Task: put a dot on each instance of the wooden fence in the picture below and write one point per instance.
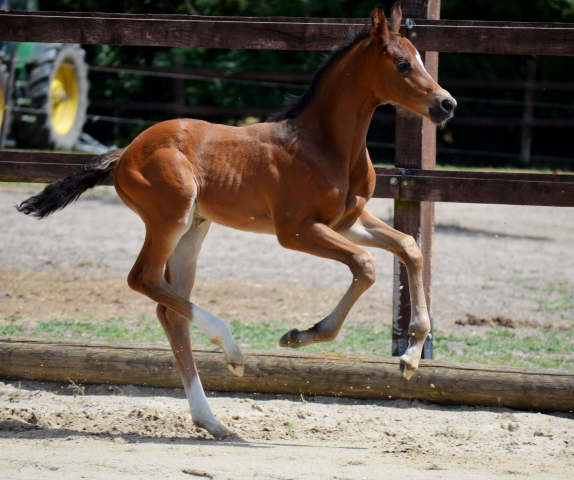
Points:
(413, 184)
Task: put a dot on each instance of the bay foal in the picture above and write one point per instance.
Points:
(304, 176)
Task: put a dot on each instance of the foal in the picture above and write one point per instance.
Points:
(304, 176)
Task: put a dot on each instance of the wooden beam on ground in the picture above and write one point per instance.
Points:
(355, 376)
(279, 33)
(415, 148)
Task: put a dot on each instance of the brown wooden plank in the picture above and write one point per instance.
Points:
(486, 187)
(170, 16)
(355, 376)
(143, 30)
(387, 185)
(494, 39)
(276, 33)
(441, 185)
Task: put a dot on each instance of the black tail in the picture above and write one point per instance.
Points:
(66, 190)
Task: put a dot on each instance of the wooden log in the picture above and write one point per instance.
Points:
(355, 376)
(281, 33)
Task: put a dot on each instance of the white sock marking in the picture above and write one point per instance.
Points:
(215, 328)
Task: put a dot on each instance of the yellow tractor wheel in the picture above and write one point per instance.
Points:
(57, 85)
(64, 98)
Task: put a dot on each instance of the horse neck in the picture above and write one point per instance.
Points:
(342, 106)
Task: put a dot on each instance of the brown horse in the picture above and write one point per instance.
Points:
(304, 176)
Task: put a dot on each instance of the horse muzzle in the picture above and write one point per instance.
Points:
(442, 109)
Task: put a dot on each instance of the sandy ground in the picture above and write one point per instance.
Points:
(489, 261)
(52, 431)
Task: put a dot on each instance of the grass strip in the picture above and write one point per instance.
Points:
(545, 348)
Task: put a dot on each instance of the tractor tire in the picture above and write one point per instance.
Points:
(4, 73)
(58, 85)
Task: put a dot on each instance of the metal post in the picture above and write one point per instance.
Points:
(528, 115)
(415, 141)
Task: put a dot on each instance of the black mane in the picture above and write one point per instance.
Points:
(294, 104)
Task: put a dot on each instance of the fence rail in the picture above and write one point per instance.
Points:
(278, 33)
(401, 184)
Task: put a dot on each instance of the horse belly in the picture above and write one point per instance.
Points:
(236, 205)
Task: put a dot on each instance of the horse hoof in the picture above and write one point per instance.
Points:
(289, 339)
(221, 433)
(236, 368)
(406, 369)
(216, 429)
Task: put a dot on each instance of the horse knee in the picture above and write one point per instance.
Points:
(162, 313)
(141, 283)
(409, 252)
(364, 269)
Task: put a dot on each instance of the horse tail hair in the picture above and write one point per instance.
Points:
(60, 194)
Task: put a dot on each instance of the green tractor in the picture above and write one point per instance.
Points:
(49, 90)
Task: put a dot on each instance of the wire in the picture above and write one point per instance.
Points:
(514, 102)
(448, 151)
(186, 76)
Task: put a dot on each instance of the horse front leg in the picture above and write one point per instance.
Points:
(320, 240)
(369, 231)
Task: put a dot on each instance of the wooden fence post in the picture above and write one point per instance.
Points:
(415, 140)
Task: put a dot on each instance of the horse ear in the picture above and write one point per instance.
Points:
(396, 16)
(379, 29)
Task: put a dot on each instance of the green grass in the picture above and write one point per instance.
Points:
(546, 348)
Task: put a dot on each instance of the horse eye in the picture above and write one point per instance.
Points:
(403, 66)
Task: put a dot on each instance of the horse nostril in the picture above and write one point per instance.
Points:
(447, 105)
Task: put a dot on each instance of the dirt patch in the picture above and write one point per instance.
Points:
(473, 320)
(320, 438)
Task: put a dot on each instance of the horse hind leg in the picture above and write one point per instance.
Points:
(180, 274)
(167, 212)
